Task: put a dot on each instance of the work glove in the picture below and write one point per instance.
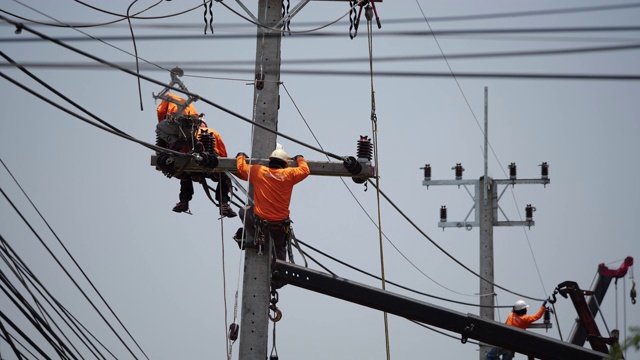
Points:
(295, 158)
(243, 154)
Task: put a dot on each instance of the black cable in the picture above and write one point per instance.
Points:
(399, 33)
(19, 343)
(57, 344)
(444, 251)
(21, 26)
(9, 341)
(66, 272)
(123, 17)
(440, 332)
(393, 283)
(306, 254)
(387, 21)
(130, 138)
(50, 88)
(205, 64)
(23, 335)
(23, 268)
(392, 74)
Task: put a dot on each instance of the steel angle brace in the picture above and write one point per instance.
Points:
(175, 73)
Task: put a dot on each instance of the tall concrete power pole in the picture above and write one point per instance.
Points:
(486, 198)
(254, 323)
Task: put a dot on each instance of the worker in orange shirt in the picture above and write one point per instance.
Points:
(272, 190)
(177, 130)
(518, 318)
(184, 133)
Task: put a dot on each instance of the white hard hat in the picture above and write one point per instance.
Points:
(519, 305)
(279, 153)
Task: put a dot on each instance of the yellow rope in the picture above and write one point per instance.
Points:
(374, 128)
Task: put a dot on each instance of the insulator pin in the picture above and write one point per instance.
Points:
(544, 170)
(427, 171)
(458, 171)
(512, 171)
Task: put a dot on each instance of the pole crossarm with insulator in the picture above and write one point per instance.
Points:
(322, 168)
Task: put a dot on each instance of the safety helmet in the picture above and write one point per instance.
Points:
(519, 305)
(279, 153)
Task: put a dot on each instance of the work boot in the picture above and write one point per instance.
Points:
(226, 210)
(182, 206)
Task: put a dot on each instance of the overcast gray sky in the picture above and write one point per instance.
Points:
(162, 272)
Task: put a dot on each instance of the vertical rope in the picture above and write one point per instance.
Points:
(224, 291)
(374, 128)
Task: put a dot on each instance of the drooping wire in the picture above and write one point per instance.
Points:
(288, 30)
(483, 133)
(67, 272)
(445, 252)
(365, 210)
(344, 263)
(42, 318)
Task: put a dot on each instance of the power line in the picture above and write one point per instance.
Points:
(202, 64)
(391, 282)
(72, 258)
(398, 33)
(513, 14)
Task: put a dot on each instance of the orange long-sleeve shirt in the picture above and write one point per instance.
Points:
(523, 321)
(167, 107)
(272, 188)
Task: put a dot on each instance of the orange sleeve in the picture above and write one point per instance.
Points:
(243, 167)
(302, 171)
(221, 149)
(161, 110)
(531, 318)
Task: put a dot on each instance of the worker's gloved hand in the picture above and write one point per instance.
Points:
(544, 303)
(243, 154)
(295, 158)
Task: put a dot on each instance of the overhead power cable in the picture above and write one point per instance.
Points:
(80, 25)
(204, 64)
(446, 252)
(399, 33)
(67, 273)
(511, 14)
(391, 282)
(73, 258)
(130, 72)
(358, 73)
(365, 210)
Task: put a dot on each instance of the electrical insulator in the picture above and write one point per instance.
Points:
(208, 142)
(544, 170)
(529, 212)
(547, 318)
(365, 148)
(233, 331)
(458, 170)
(427, 171)
(443, 213)
(512, 171)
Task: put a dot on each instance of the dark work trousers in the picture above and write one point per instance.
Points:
(222, 189)
(276, 230)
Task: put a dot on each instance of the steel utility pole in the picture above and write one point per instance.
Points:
(486, 208)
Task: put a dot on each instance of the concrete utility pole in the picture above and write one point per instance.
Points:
(254, 323)
(486, 214)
